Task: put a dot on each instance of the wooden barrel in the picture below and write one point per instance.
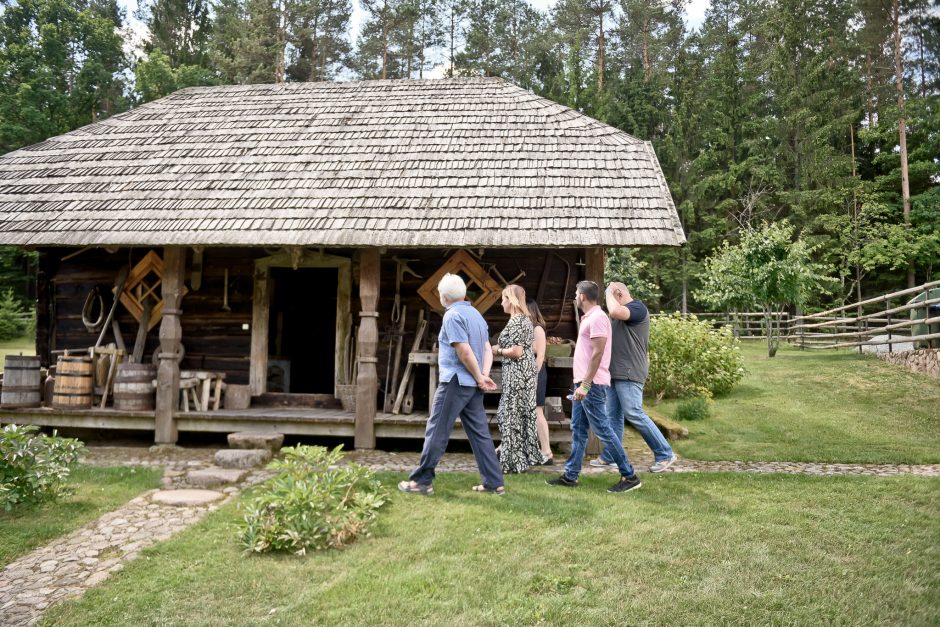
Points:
(133, 387)
(74, 383)
(21, 386)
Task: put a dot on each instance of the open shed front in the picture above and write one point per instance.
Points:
(312, 333)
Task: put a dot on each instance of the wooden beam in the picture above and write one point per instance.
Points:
(367, 381)
(171, 336)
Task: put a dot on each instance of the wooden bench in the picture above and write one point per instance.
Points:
(199, 387)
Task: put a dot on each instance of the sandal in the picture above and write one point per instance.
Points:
(500, 491)
(410, 487)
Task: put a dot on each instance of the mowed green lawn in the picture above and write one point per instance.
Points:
(23, 345)
(819, 406)
(96, 492)
(695, 549)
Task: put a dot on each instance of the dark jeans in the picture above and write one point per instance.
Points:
(452, 400)
(590, 413)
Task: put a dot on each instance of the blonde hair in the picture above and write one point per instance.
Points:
(452, 287)
(516, 296)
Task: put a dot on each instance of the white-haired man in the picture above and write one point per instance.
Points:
(464, 361)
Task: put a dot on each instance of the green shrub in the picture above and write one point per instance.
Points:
(34, 467)
(695, 408)
(690, 358)
(12, 321)
(312, 503)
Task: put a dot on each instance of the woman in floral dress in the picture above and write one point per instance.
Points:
(516, 414)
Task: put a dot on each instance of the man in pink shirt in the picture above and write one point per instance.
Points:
(592, 382)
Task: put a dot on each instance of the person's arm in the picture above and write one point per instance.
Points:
(469, 360)
(512, 353)
(539, 347)
(597, 345)
(487, 359)
(614, 309)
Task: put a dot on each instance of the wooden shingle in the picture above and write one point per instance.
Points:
(455, 162)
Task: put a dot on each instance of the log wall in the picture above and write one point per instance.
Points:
(215, 339)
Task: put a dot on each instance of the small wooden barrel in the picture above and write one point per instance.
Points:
(21, 386)
(74, 383)
(133, 387)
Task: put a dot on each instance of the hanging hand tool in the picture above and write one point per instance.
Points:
(400, 270)
(402, 388)
(118, 288)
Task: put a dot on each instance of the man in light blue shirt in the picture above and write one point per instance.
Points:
(464, 360)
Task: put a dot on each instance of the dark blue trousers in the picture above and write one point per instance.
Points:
(450, 401)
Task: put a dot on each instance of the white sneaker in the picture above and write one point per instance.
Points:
(600, 463)
(663, 465)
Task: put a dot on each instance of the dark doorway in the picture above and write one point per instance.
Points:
(302, 330)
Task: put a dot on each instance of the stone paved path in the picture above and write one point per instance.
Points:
(70, 565)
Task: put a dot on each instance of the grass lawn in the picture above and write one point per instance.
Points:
(684, 549)
(24, 345)
(97, 491)
(819, 406)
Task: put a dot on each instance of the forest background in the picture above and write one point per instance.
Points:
(768, 111)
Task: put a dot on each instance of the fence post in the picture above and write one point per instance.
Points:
(888, 314)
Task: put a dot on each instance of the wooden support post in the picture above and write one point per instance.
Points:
(367, 382)
(258, 368)
(171, 335)
(594, 268)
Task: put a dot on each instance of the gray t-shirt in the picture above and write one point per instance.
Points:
(629, 359)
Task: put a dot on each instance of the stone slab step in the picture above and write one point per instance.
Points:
(211, 477)
(242, 458)
(258, 440)
(186, 498)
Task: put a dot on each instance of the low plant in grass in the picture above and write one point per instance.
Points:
(313, 503)
(695, 408)
(690, 358)
(34, 466)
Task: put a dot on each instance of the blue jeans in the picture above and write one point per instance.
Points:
(590, 413)
(626, 402)
(450, 401)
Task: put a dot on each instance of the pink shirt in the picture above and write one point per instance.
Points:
(594, 323)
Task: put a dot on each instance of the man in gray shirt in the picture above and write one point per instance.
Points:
(629, 367)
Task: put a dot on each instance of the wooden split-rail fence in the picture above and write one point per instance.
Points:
(885, 323)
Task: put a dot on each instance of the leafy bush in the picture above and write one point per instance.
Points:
(33, 466)
(12, 317)
(690, 358)
(695, 408)
(312, 503)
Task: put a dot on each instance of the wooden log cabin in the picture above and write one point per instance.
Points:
(279, 228)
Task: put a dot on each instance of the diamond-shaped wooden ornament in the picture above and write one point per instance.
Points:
(462, 262)
(144, 282)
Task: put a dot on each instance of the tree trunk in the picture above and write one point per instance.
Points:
(902, 131)
(600, 53)
(385, 40)
(647, 66)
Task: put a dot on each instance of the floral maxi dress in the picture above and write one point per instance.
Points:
(516, 414)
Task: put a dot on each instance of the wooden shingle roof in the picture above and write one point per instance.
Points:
(455, 162)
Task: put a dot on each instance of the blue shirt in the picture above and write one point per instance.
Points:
(462, 323)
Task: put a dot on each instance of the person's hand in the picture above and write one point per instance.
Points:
(580, 393)
(485, 383)
(495, 350)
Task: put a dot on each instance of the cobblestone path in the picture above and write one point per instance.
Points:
(70, 565)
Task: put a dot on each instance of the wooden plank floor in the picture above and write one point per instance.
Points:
(287, 420)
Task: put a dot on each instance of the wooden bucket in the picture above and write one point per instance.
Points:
(133, 387)
(21, 387)
(74, 383)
